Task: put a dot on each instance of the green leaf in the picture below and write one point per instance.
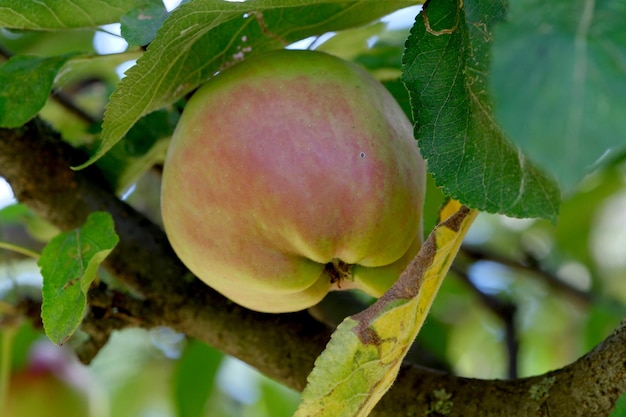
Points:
(275, 399)
(14, 214)
(620, 407)
(559, 82)
(69, 264)
(122, 169)
(139, 26)
(25, 84)
(583, 210)
(194, 378)
(22, 42)
(444, 67)
(148, 130)
(363, 357)
(62, 14)
(203, 37)
(348, 44)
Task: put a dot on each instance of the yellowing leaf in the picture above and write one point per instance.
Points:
(364, 354)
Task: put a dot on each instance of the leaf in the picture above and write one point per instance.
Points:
(559, 82)
(139, 26)
(13, 214)
(364, 354)
(348, 44)
(583, 209)
(148, 130)
(69, 264)
(275, 399)
(444, 67)
(122, 169)
(62, 14)
(620, 407)
(25, 84)
(194, 378)
(203, 37)
(22, 42)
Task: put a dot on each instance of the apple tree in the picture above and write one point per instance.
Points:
(511, 291)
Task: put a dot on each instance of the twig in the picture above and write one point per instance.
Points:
(68, 102)
(533, 266)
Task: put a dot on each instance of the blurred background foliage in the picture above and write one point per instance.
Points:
(524, 296)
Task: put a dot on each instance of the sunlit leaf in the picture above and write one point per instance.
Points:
(62, 14)
(69, 264)
(350, 43)
(365, 352)
(444, 68)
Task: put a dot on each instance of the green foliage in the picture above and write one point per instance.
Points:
(69, 264)
(62, 14)
(12, 214)
(620, 407)
(148, 130)
(29, 78)
(140, 25)
(194, 378)
(560, 86)
(444, 68)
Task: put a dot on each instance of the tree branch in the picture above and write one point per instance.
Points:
(284, 347)
(532, 266)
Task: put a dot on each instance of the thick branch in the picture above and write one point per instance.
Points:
(282, 346)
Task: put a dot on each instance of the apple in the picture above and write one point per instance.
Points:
(53, 384)
(291, 174)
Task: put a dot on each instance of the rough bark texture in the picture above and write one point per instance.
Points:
(36, 164)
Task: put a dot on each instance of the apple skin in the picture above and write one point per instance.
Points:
(284, 165)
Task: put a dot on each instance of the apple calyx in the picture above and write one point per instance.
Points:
(338, 271)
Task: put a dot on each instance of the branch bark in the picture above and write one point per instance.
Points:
(36, 163)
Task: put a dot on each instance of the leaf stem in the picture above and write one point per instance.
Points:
(19, 249)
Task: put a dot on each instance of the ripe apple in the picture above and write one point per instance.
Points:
(290, 174)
